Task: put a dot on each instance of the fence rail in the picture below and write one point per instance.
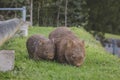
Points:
(23, 9)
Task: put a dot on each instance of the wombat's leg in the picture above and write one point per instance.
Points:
(35, 54)
(61, 58)
(35, 57)
(30, 56)
(61, 54)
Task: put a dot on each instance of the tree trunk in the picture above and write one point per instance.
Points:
(66, 3)
(38, 13)
(31, 10)
(58, 15)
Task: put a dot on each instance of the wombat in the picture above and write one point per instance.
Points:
(39, 47)
(68, 48)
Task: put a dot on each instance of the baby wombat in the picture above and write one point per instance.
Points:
(68, 48)
(40, 47)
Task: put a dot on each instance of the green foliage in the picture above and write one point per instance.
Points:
(76, 15)
(104, 15)
(45, 12)
(98, 64)
(97, 15)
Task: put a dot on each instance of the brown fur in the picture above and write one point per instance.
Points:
(40, 47)
(69, 49)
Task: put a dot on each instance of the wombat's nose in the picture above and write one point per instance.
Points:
(51, 57)
(78, 65)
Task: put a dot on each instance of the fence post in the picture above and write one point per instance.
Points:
(114, 46)
(24, 13)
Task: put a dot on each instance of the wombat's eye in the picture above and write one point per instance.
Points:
(46, 52)
(73, 56)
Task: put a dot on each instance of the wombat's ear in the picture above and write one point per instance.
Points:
(83, 42)
(69, 43)
(41, 42)
(53, 40)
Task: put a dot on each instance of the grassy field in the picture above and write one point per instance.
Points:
(112, 36)
(99, 65)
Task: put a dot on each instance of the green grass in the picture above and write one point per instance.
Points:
(107, 35)
(99, 65)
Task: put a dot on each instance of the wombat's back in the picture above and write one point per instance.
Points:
(61, 32)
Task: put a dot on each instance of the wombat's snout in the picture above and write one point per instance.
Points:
(50, 57)
(77, 65)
